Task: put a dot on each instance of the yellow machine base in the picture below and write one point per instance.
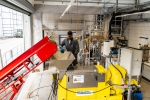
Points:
(102, 92)
(92, 93)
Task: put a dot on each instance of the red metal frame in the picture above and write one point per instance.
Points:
(43, 49)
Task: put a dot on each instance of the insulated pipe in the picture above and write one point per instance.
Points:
(130, 12)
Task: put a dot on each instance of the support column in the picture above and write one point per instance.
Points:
(37, 31)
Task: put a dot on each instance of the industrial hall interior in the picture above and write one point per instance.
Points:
(74, 49)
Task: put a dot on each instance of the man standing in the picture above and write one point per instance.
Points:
(72, 45)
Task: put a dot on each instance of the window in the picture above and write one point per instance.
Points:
(11, 21)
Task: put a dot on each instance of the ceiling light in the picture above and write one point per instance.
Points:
(69, 5)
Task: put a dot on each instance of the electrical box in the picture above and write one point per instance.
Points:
(131, 60)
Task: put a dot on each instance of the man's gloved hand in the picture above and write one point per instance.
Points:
(61, 49)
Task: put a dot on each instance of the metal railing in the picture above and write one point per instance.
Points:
(11, 55)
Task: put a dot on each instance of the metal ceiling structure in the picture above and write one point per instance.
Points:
(136, 5)
(121, 5)
(87, 2)
(19, 5)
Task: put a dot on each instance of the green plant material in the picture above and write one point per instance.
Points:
(52, 41)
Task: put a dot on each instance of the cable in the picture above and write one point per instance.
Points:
(50, 94)
(111, 75)
(76, 92)
(53, 92)
(116, 67)
(102, 89)
(37, 89)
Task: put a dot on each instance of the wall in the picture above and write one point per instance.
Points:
(58, 26)
(47, 18)
(134, 30)
(48, 14)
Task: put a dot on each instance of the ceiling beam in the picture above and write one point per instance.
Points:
(88, 1)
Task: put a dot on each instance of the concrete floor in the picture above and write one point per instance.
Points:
(145, 88)
(43, 79)
(34, 81)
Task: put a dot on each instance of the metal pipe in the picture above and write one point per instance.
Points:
(132, 7)
(144, 20)
(121, 26)
(130, 73)
(138, 2)
(119, 55)
(69, 21)
(132, 12)
(116, 5)
(135, 3)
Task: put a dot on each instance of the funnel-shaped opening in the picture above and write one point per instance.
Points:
(62, 60)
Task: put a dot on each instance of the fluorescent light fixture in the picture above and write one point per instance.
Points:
(69, 5)
(133, 14)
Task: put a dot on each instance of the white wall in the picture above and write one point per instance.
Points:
(134, 30)
(49, 22)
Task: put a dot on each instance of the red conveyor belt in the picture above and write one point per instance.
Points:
(44, 49)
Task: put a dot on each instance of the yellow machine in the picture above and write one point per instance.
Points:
(93, 84)
(89, 82)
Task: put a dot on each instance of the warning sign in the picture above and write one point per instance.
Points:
(78, 79)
